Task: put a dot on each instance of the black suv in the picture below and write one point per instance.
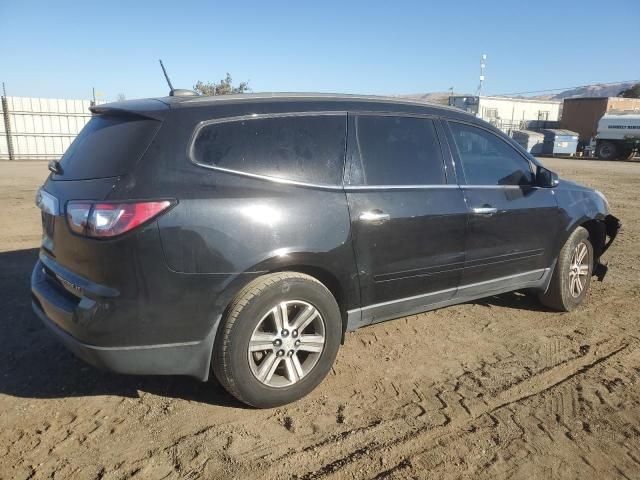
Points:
(245, 235)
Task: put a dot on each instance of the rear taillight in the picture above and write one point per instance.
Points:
(106, 219)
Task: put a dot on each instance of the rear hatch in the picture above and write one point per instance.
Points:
(105, 153)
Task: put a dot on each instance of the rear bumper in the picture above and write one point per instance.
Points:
(190, 359)
(57, 309)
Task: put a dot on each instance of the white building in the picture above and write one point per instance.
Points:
(508, 113)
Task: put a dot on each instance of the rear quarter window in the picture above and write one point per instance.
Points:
(307, 149)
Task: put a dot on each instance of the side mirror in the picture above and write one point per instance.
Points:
(546, 178)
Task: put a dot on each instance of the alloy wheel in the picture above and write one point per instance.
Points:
(286, 344)
(579, 269)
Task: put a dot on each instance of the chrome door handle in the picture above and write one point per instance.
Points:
(375, 217)
(485, 210)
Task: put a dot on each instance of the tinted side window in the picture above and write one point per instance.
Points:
(487, 160)
(301, 148)
(395, 151)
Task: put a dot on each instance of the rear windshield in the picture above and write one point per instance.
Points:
(107, 146)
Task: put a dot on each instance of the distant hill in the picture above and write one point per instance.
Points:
(596, 90)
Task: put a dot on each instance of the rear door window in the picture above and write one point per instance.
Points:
(392, 150)
(303, 148)
(107, 146)
(488, 160)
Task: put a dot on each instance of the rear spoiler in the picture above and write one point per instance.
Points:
(147, 108)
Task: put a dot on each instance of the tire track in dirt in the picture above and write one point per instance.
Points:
(399, 449)
(525, 439)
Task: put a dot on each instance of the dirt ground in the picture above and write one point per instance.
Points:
(499, 388)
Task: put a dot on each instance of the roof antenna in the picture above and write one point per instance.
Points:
(176, 92)
(164, 70)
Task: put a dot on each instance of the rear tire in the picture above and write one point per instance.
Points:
(572, 274)
(278, 341)
(607, 150)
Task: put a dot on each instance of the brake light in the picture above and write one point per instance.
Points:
(106, 219)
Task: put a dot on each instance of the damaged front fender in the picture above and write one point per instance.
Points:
(612, 227)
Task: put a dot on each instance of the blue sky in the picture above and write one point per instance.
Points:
(62, 49)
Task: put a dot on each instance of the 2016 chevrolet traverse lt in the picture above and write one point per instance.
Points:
(242, 236)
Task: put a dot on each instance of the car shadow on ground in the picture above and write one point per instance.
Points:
(33, 364)
(519, 300)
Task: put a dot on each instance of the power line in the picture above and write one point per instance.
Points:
(564, 88)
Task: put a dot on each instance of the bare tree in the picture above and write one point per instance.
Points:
(121, 97)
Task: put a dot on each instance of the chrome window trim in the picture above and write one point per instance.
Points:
(260, 116)
(507, 187)
(297, 183)
(282, 181)
(348, 188)
(321, 186)
(447, 186)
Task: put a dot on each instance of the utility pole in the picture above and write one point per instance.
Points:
(7, 123)
(483, 59)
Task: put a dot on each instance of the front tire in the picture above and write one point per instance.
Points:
(278, 341)
(572, 275)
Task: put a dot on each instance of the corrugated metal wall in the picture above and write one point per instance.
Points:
(583, 114)
(41, 128)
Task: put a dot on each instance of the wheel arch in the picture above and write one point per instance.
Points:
(582, 221)
(599, 228)
(597, 235)
(329, 280)
(342, 284)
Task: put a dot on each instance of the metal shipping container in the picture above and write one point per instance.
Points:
(560, 142)
(531, 141)
(582, 114)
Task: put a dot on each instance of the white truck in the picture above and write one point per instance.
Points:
(618, 136)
